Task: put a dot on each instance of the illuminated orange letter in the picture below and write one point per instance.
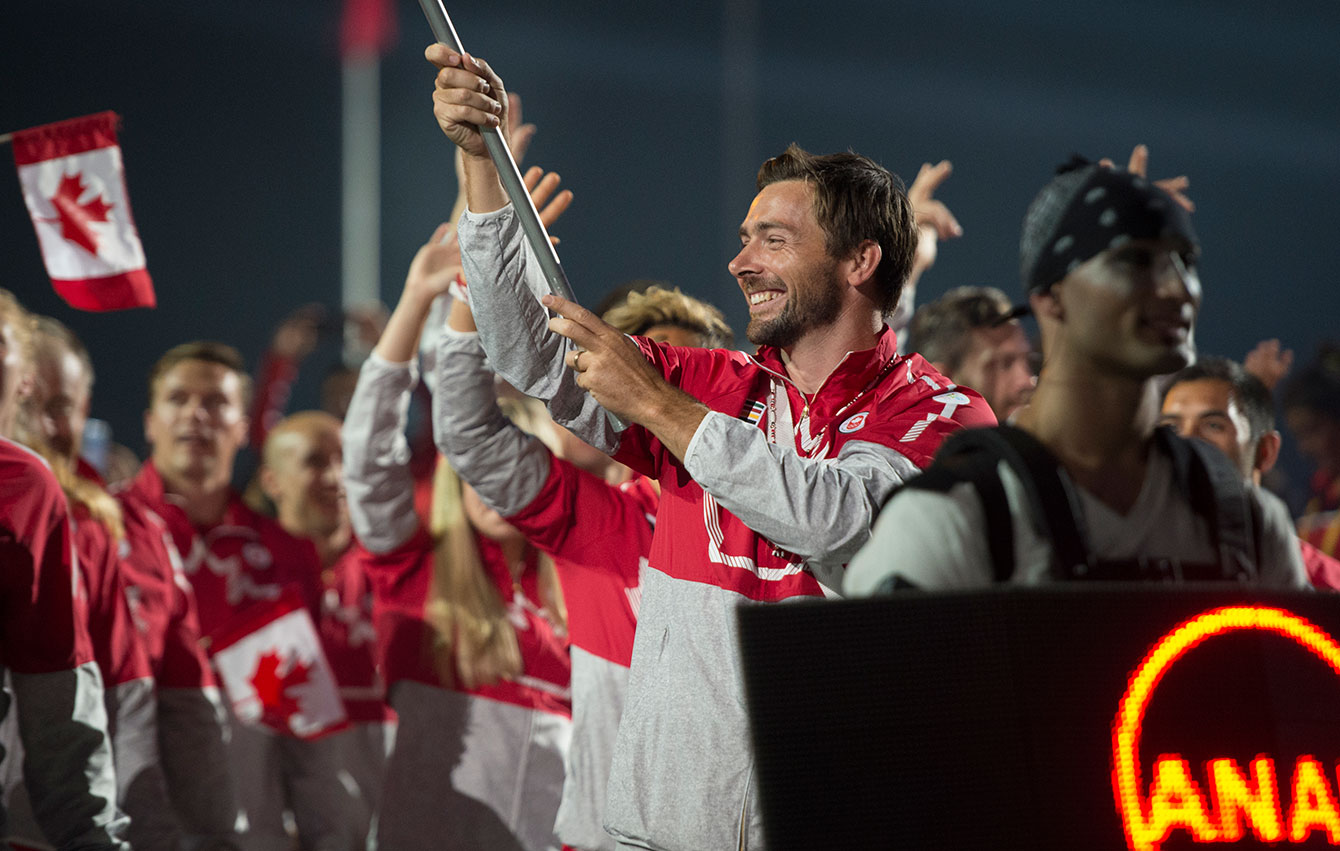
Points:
(1176, 801)
(1258, 800)
(1313, 802)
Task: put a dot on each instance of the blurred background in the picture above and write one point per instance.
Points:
(657, 117)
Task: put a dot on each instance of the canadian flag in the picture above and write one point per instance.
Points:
(275, 673)
(74, 185)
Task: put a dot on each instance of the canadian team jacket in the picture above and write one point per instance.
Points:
(477, 768)
(599, 536)
(44, 644)
(774, 495)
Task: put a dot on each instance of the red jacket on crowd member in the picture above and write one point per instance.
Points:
(190, 714)
(349, 637)
(244, 558)
(44, 644)
(473, 767)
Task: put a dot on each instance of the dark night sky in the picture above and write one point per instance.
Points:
(657, 117)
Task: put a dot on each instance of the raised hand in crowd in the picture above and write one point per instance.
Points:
(934, 220)
(1269, 362)
(1138, 163)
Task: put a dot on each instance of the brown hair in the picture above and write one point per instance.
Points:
(941, 332)
(658, 305)
(855, 199)
(208, 351)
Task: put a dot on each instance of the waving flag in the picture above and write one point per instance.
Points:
(275, 673)
(74, 185)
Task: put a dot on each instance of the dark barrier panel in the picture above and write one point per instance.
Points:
(1034, 718)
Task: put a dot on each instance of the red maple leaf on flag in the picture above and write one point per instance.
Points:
(272, 689)
(75, 217)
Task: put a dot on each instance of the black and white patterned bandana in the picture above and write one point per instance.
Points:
(1087, 210)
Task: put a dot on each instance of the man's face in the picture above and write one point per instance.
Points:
(784, 268)
(1132, 309)
(196, 424)
(60, 399)
(1205, 408)
(305, 478)
(997, 366)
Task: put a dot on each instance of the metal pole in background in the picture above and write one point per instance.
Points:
(360, 262)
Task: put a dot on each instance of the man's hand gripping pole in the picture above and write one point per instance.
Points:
(510, 177)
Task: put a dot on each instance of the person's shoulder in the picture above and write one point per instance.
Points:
(28, 487)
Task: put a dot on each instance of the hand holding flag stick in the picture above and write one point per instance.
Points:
(508, 173)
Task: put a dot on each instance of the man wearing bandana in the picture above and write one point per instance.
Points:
(1108, 260)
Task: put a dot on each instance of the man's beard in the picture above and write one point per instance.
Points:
(820, 305)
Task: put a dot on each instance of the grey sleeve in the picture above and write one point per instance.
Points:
(1281, 560)
(505, 286)
(132, 712)
(68, 758)
(819, 509)
(505, 466)
(933, 540)
(377, 480)
(195, 762)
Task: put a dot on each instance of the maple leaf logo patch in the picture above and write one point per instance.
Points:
(272, 689)
(75, 217)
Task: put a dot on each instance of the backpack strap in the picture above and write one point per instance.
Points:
(1216, 491)
(969, 460)
(974, 455)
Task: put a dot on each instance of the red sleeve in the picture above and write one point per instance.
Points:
(580, 518)
(117, 647)
(42, 625)
(273, 385)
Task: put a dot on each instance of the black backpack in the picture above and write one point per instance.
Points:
(1201, 472)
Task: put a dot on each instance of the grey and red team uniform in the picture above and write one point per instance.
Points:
(245, 559)
(478, 768)
(45, 649)
(775, 494)
(599, 536)
(191, 716)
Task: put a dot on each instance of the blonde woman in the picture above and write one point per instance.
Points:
(469, 619)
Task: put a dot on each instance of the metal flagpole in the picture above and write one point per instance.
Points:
(510, 176)
(508, 172)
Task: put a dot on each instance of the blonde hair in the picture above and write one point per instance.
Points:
(660, 306)
(475, 642)
(45, 336)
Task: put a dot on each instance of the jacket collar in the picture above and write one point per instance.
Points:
(853, 374)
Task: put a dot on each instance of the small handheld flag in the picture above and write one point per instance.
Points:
(74, 185)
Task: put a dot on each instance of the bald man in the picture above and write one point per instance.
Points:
(302, 471)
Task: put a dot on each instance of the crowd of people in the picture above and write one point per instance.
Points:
(527, 603)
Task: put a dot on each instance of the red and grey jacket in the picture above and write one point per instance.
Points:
(504, 743)
(774, 495)
(599, 536)
(44, 644)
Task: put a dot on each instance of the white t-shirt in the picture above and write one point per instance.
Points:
(938, 541)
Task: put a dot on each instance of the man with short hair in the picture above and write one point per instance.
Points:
(235, 558)
(1218, 401)
(770, 465)
(1108, 261)
(973, 335)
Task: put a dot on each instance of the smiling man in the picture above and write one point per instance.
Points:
(771, 465)
(1085, 487)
